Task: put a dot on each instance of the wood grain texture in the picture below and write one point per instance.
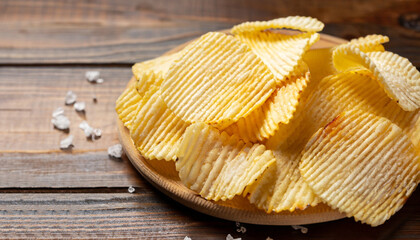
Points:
(148, 214)
(130, 31)
(29, 144)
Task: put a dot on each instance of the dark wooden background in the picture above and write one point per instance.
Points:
(46, 46)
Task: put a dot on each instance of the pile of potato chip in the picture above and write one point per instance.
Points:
(257, 113)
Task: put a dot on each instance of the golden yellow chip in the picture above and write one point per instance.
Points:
(370, 43)
(279, 108)
(281, 53)
(219, 166)
(155, 130)
(126, 104)
(217, 81)
(362, 165)
(306, 24)
(156, 65)
(395, 74)
(148, 80)
(281, 187)
(320, 63)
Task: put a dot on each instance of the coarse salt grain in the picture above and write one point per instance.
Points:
(97, 132)
(92, 76)
(242, 229)
(301, 228)
(66, 142)
(70, 98)
(88, 130)
(187, 238)
(99, 80)
(115, 151)
(80, 106)
(61, 122)
(229, 237)
(57, 112)
(131, 189)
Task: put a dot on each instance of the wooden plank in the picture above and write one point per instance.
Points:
(62, 32)
(29, 144)
(149, 214)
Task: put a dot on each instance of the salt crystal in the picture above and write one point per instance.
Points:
(187, 238)
(242, 229)
(115, 151)
(97, 132)
(61, 122)
(99, 80)
(301, 228)
(92, 76)
(70, 98)
(80, 106)
(57, 112)
(229, 237)
(131, 189)
(88, 130)
(66, 142)
(238, 224)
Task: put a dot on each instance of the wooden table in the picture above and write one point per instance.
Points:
(47, 46)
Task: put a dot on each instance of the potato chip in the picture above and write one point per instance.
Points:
(362, 165)
(306, 24)
(126, 104)
(219, 166)
(281, 53)
(320, 63)
(217, 81)
(370, 43)
(148, 80)
(279, 108)
(156, 65)
(281, 187)
(156, 131)
(395, 74)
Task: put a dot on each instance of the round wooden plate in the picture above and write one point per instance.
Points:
(164, 177)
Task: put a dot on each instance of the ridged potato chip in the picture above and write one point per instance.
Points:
(306, 24)
(281, 187)
(279, 108)
(219, 166)
(126, 104)
(217, 81)
(395, 74)
(281, 53)
(156, 65)
(362, 165)
(155, 130)
(370, 43)
(148, 80)
(320, 63)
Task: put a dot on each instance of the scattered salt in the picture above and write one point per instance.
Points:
(187, 238)
(131, 189)
(70, 98)
(57, 112)
(229, 237)
(115, 151)
(301, 228)
(61, 122)
(92, 76)
(99, 80)
(66, 142)
(97, 132)
(88, 130)
(80, 106)
(240, 228)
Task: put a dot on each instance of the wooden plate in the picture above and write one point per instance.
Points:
(164, 177)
